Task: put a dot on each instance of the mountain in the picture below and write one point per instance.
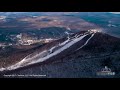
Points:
(82, 54)
(82, 44)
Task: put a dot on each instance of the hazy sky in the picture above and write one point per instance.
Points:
(116, 12)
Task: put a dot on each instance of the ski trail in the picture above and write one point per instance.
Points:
(22, 62)
(44, 55)
(86, 42)
(59, 50)
(63, 43)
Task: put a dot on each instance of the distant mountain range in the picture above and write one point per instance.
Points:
(55, 13)
(36, 13)
(107, 20)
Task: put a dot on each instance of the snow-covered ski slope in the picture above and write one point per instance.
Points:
(46, 54)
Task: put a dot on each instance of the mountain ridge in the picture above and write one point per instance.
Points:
(83, 52)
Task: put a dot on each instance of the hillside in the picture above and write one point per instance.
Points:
(81, 55)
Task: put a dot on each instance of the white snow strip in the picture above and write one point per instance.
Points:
(43, 55)
(24, 62)
(63, 43)
(86, 42)
(52, 49)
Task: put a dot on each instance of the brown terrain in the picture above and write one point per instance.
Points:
(49, 21)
